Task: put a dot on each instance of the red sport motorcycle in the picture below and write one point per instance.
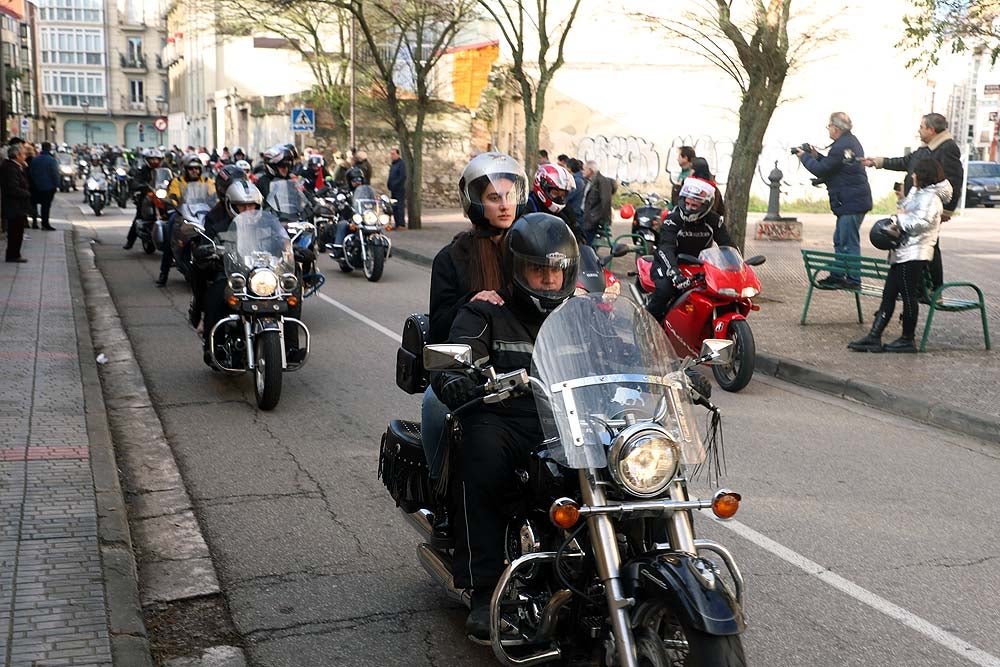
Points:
(715, 305)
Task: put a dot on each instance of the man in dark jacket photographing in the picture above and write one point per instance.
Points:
(842, 171)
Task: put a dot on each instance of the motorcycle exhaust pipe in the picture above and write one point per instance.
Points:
(438, 565)
(422, 521)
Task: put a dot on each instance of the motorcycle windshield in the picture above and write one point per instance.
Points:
(285, 198)
(96, 179)
(64, 158)
(162, 177)
(724, 258)
(365, 200)
(599, 358)
(198, 196)
(256, 240)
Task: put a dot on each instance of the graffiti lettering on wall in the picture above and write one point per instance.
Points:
(630, 159)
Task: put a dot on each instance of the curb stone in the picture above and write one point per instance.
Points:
(126, 630)
(966, 422)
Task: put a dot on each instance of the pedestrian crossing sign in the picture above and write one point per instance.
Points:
(303, 120)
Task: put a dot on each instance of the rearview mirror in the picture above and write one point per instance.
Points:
(756, 260)
(620, 250)
(717, 351)
(446, 357)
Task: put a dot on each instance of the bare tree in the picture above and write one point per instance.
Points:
(404, 41)
(959, 24)
(307, 28)
(757, 56)
(533, 77)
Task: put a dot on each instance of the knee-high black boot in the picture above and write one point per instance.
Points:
(872, 342)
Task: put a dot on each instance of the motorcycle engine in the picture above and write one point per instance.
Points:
(523, 538)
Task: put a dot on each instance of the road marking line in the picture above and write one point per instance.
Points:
(355, 314)
(876, 602)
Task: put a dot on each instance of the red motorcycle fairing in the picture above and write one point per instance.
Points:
(643, 266)
(720, 328)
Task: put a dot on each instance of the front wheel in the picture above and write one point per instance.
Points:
(375, 262)
(148, 246)
(267, 369)
(662, 640)
(736, 375)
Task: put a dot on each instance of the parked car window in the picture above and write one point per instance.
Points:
(984, 169)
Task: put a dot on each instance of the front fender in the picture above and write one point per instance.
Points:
(705, 605)
(720, 327)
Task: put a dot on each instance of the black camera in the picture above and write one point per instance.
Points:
(804, 147)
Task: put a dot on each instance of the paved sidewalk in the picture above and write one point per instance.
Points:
(53, 605)
(954, 384)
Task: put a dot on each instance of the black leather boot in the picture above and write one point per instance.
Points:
(872, 342)
(477, 625)
(441, 537)
(901, 344)
(162, 280)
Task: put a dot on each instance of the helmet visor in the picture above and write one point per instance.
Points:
(500, 196)
(552, 277)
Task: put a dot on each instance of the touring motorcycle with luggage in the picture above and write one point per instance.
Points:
(604, 565)
(366, 246)
(256, 253)
(294, 212)
(716, 305)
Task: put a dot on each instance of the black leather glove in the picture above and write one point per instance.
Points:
(202, 251)
(458, 391)
(680, 281)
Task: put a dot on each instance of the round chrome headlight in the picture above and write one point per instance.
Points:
(161, 193)
(371, 218)
(643, 460)
(289, 282)
(263, 282)
(237, 282)
(120, 171)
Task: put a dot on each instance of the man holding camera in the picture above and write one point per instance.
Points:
(847, 184)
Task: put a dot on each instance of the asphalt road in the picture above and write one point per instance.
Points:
(865, 539)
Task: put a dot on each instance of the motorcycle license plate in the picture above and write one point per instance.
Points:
(261, 307)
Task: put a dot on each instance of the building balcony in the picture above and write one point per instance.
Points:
(136, 63)
(124, 24)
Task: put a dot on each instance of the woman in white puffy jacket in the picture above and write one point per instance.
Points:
(919, 222)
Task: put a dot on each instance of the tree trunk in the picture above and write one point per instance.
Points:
(532, 126)
(414, 179)
(755, 115)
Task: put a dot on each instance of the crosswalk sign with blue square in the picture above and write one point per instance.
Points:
(303, 120)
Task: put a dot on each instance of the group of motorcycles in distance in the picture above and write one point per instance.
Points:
(264, 265)
(103, 182)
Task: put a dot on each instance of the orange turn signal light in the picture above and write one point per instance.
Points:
(754, 307)
(726, 503)
(353, 227)
(564, 513)
(293, 301)
(232, 301)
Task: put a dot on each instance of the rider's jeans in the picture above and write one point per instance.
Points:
(168, 254)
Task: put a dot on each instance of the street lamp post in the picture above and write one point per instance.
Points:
(85, 105)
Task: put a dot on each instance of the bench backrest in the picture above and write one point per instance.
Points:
(816, 261)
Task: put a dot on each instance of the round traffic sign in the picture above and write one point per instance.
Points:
(160, 124)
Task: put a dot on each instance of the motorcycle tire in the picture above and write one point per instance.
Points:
(267, 369)
(736, 375)
(658, 627)
(97, 209)
(345, 267)
(148, 246)
(375, 263)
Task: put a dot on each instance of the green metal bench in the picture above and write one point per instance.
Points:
(873, 272)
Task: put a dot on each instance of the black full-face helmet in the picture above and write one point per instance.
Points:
(226, 176)
(885, 234)
(355, 177)
(541, 261)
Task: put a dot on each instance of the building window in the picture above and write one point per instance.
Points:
(69, 88)
(75, 11)
(72, 46)
(133, 52)
(135, 94)
(133, 12)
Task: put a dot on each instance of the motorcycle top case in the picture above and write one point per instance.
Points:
(410, 374)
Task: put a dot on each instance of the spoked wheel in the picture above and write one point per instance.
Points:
(736, 375)
(662, 640)
(148, 246)
(267, 369)
(374, 262)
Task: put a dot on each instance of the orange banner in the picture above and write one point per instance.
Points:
(14, 8)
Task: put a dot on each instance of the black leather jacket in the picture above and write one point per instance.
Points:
(678, 236)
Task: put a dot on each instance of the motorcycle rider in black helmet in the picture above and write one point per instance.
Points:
(540, 261)
(191, 169)
(153, 161)
(355, 178)
(690, 228)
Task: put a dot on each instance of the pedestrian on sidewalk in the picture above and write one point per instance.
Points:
(397, 187)
(15, 198)
(937, 143)
(43, 174)
(685, 156)
(597, 195)
(847, 184)
(918, 219)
